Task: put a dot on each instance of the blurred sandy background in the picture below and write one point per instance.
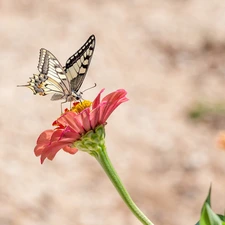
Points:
(168, 55)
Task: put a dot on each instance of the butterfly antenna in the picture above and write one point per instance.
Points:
(89, 88)
(23, 85)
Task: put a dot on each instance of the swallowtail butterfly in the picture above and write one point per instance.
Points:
(66, 81)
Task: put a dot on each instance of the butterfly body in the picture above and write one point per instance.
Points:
(63, 82)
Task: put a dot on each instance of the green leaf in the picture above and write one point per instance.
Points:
(208, 217)
(208, 199)
(220, 216)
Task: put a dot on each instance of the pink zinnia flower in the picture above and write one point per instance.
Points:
(72, 125)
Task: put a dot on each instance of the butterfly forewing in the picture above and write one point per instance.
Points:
(77, 65)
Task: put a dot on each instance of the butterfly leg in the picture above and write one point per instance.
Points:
(61, 106)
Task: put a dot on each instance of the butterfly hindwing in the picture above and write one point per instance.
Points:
(77, 65)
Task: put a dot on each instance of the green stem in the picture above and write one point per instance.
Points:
(106, 164)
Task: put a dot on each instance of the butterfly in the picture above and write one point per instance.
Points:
(63, 82)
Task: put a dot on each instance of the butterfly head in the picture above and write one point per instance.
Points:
(77, 96)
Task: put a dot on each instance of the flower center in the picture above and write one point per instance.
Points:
(80, 106)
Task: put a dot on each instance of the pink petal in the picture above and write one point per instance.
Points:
(44, 136)
(56, 135)
(70, 150)
(78, 124)
(39, 149)
(68, 133)
(113, 100)
(42, 141)
(95, 115)
(68, 119)
(85, 119)
(120, 93)
(96, 102)
(48, 145)
(51, 150)
(108, 111)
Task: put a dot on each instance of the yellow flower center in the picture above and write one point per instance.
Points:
(80, 106)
